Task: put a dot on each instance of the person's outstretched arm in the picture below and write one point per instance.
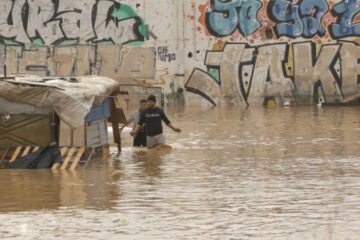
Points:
(178, 130)
(168, 123)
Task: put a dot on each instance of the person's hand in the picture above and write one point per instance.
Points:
(178, 130)
(132, 133)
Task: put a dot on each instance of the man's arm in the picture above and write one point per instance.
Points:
(168, 123)
(139, 125)
(178, 130)
(136, 130)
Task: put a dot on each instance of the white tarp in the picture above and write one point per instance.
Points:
(70, 98)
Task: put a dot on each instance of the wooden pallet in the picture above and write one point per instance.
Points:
(71, 156)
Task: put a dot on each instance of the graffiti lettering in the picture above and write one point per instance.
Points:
(76, 19)
(295, 20)
(302, 18)
(10, 26)
(226, 17)
(40, 23)
(269, 69)
(346, 12)
(165, 55)
(55, 21)
(311, 69)
(231, 58)
(253, 74)
(112, 61)
(287, 17)
(312, 13)
(350, 55)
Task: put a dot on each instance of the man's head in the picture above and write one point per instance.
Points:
(142, 104)
(151, 101)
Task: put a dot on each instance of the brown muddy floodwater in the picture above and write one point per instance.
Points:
(289, 173)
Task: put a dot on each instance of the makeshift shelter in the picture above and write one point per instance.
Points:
(42, 111)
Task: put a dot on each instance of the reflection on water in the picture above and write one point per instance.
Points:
(31, 190)
(291, 173)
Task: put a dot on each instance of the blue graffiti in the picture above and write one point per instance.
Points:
(312, 13)
(248, 21)
(226, 17)
(346, 11)
(301, 19)
(287, 17)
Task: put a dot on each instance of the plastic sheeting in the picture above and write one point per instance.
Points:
(43, 158)
(70, 98)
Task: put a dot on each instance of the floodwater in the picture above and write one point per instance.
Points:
(288, 173)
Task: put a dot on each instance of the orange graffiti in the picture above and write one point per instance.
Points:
(202, 17)
(219, 45)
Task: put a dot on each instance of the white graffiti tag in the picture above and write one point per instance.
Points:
(52, 21)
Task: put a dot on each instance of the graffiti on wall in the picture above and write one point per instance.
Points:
(225, 17)
(52, 22)
(73, 38)
(114, 61)
(298, 72)
(165, 55)
(289, 18)
(314, 65)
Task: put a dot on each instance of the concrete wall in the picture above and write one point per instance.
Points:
(250, 51)
(244, 52)
(66, 38)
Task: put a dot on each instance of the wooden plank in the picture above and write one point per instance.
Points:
(35, 149)
(106, 152)
(62, 152)
(26, 151)
(71, 137)
(77, 158)
(4, 155)
(16, 153)
(79, 136)
(65, 138)
(55, 166)
(68, 158)
(89, 157)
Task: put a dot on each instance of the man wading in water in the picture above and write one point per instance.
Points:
(140, 137)
(152, 117)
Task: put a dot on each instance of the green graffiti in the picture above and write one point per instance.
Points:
(124, 12)
(120, 12)
(68, 42)
(10, 42)
(215, 73)
(37, 42)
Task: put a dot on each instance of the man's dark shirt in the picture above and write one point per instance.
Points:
(152, 118)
